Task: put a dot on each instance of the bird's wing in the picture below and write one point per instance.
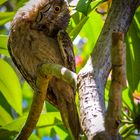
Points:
(66, 49)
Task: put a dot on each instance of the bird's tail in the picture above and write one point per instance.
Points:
(70, 117)
(66, 104)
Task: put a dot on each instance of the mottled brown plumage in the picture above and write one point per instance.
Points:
(38, 36)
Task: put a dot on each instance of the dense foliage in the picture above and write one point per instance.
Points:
(84, 28)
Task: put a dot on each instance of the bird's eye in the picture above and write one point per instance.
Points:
(57, 8)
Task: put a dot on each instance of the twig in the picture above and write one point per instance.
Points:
(112, 118)
(36, 108)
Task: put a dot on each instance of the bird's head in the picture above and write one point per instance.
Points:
(52, 15)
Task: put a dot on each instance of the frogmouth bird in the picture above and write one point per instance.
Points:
(37, 37)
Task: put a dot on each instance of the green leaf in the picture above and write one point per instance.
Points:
(60, 132)
(132, 137)
(89, 35)
(48, 119)
(87, 6)
(15, 125)
(5, 104)
(78, 28)
(6, 17)
(133, 57)
(3, 45)
(48, 122)
(91, 31)
(127, 129)
(27, 91)
(127, 101)
(138, 88)
(34, 137)
(94, 4)
(83, 6)
(50, 107)
(12, 128)
(4, 117)
(137, 21)
(10, 86)
(2, 1)
(21, 3)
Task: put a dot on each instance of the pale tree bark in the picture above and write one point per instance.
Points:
(93, 76)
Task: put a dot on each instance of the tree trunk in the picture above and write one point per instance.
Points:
(92, 78)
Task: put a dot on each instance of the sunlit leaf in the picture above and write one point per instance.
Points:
(34, 137)
(48, 122)
(126, 118)
(138, 88)
(60, 132)
(136, 22)
(2, 1)
(133, 57)
(94, 4)
(48, 119)
(27, 90)
(5, 17)
(3, 45)
(127, 100)
(5, 104)
(90, 33)
(4, 117)
(78, 28)
(50, 107)
(10, 86)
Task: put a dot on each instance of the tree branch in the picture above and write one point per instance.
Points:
(36, 108)
(45, 72)
(112, 118)
(92, 78)
(60, 72)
